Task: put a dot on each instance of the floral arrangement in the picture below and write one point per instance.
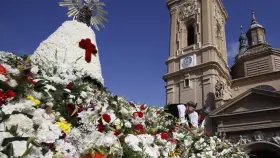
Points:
(51, 111)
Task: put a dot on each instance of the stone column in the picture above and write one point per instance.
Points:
(173, 32)
(206, 22)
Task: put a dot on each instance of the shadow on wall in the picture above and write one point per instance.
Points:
(210, 105)
(210, 101)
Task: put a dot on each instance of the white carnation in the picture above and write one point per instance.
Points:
(34, 70)
(24, 124)
(19, 148)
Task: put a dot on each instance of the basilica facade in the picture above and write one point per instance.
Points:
(244, 99)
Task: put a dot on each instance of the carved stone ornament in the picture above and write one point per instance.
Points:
(276, 138)
(258, 136)
(243, 140)
(219, 89)
(218, 15)
(187, 9)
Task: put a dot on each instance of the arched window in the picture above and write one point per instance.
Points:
(266, 87)
(191, 34)
(255, 38)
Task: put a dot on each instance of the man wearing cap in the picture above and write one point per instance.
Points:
(188, 111)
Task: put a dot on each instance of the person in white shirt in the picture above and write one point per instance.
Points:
(188, 110)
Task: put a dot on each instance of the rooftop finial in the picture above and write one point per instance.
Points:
(254, 20)
(241, 29)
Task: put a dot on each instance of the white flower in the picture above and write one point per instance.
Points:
(48, 132)
(65, 148)
(132, 141)
(67, 90)
(24, 124)
(178, 136)
(152, 152)
(19, 148)
(146, 139)
(124, 111)
(40, 116)
(110, 139)
(127, 124)
(13, 83)
(11, 70)
(2, 77)
(83, 94)
(8, 109)
(34, 69)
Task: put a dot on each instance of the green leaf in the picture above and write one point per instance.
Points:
(30, 140)
(76, 109)
(78, 59)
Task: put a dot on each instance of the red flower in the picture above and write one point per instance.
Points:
(117, 132)
(132, 104)
(3, 96)
(100, 126)
(158, 112)
(3, 70)
(90, 155)
(142, 107)
(11, 94)
(94, 91)
(70, 85)
(30, 79)
(106, 117)
(97, 155)
(140, 128)
(164, 136)
(139, 114)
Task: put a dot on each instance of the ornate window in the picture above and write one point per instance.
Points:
(191, 34)
(266, 87)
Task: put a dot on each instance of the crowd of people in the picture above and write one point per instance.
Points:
(188, 115)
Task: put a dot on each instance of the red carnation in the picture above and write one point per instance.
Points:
(106, 118)
(139, 114)
(11, 94)
(132, 104)
(158, 112)
(70, 85)
(100, 126)
(164, 136)
(140, 128)
(117, 132)
(97, 155)
(142, 107)
(3, 70)
(3, 96)
(30, 79)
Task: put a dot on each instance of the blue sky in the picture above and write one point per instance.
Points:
(135, 43)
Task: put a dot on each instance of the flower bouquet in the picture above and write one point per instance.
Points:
(50, 111)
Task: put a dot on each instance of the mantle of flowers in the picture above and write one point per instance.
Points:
(42, 117)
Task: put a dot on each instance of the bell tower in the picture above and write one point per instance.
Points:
(197, 68)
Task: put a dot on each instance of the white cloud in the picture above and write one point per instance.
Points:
(232, 49)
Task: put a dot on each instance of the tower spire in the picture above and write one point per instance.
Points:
(242, 41)
(254, 20)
